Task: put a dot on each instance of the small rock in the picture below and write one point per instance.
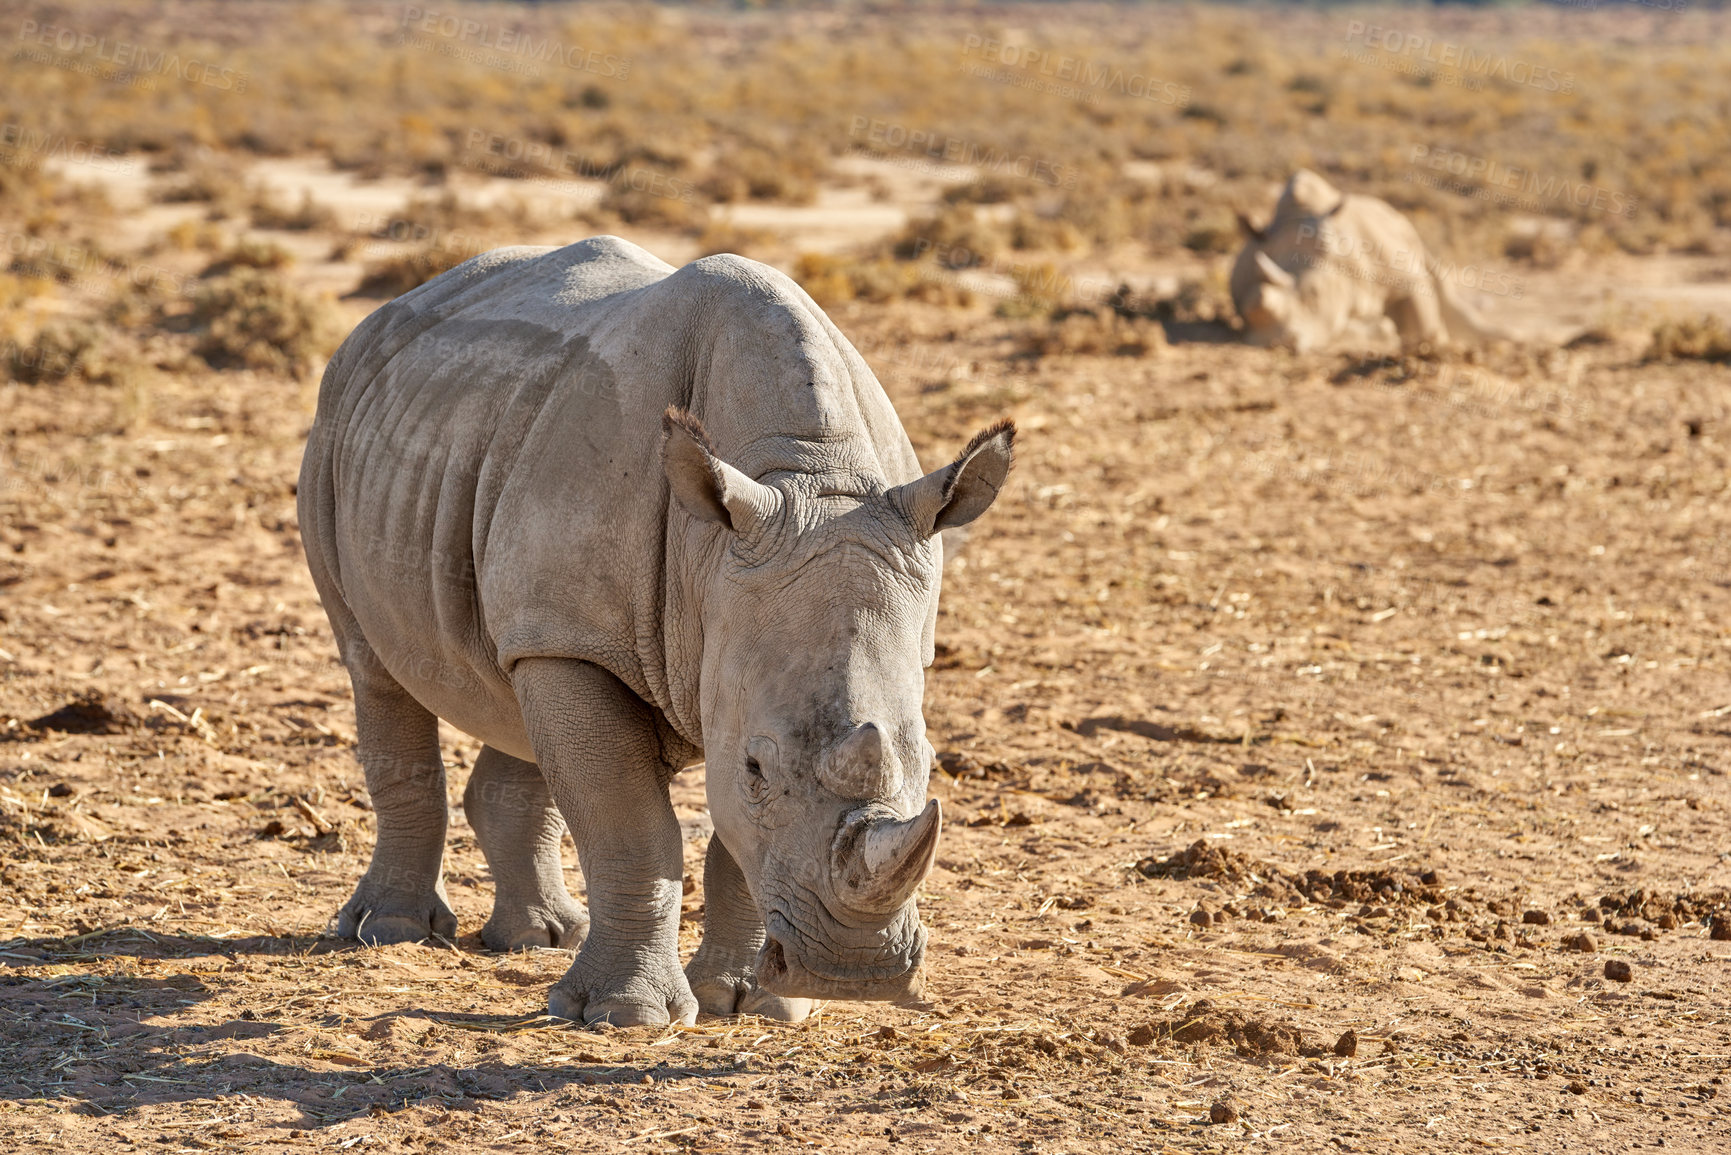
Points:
(1721, 929)
(1666, 921)
(1582, 942)
(1431, 878)
(1591, 914)
(1536, 918)
(1577, 1088)
(1142, 1036)
(61, 790)
(1618, 971)
(1201, 916)
(1222, 1112)
(1347, 1045)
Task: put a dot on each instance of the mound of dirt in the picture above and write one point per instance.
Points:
(1384, 887)
(88, 713)
(1635, 911)
(1252, 1037)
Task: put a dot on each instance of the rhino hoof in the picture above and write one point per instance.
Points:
(727, 996)
(387, 929)
(566, 932)
(617, 1012)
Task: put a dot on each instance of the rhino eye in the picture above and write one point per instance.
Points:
(760, 763)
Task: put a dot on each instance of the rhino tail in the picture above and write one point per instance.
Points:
(1463, 321)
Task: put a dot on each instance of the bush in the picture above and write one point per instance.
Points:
(58, 352)
(1094, 331)
(1697, 339)
(254, 319)
(833, 280)
(395, 275)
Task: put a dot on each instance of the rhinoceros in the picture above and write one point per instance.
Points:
(612, 519)
(1328, 260)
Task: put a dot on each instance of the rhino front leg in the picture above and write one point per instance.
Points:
(401, 898)
(721, 973)
(596, 743)
(520, 831)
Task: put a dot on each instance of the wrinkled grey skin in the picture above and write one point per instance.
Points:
(1329, 264)
(613, 519)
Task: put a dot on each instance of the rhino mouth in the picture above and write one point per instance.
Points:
(785, 972)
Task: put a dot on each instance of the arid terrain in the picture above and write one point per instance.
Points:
(1334, 747)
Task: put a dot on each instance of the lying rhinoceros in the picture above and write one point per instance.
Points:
(1329, 260)
(613, 519)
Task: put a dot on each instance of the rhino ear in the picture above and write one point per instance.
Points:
(707, 487)
(965, 488)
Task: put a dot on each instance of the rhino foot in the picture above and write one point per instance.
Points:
(377, 917)
(634, 994)
(722, 994)
(555, 924)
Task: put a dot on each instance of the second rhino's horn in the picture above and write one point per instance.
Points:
(879, 861)
(861, 765)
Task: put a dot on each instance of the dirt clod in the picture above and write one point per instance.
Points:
(1618, 971)
(1582, 942)
(1248, 1035)
(1721, 929)
(88, 713)
(1536, 918)
(1220, 1111)
(1143, 1036)
(1347, 1045)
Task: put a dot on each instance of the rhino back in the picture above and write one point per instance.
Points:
(483, 480)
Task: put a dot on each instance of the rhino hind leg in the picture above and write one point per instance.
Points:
(401, 898)
(722, 972)
(520, 831)
(1418, 319)
(598, 748)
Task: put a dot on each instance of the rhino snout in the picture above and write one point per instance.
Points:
(787, 966)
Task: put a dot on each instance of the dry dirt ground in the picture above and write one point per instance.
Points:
(1334, 751)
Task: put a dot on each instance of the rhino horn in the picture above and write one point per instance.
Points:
(880, 861)
(1271, 272)
(860, 766)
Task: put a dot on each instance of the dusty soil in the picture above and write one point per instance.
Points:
(1314, 731)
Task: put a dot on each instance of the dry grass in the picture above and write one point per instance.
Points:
(1694, 339)
(255, 319)
(743, 107)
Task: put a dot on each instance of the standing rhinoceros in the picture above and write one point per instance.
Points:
(613, 519)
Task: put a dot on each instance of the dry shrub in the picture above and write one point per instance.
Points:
(267, 212)
(1100, 331)
(954, 236)
(250, 253)
(833, 280)
(760, 174)
(254, 319)
(1694, 339)
(60, 351)
(666, 203)
(395, 275)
